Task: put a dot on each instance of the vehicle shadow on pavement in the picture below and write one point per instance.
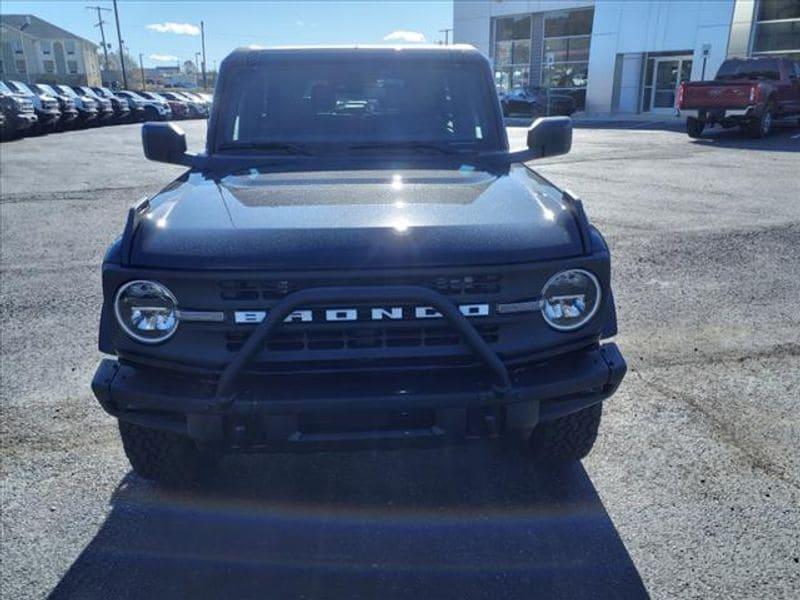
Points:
(784, 138)
(447, 523)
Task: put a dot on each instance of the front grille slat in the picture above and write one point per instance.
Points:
(458, 285)
(360, 338)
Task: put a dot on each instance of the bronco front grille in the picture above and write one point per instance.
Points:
(272, 289)
(361, 338)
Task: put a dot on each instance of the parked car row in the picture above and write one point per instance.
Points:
(38, 108)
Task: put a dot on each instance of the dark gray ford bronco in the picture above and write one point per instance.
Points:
(355, 260)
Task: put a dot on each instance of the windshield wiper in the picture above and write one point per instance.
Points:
(278, 146)
(420, 146)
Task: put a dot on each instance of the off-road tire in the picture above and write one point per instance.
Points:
(164, 457)
(695, 127)
(761, 127)
(568, 438)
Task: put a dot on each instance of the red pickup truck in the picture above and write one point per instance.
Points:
(747, 92)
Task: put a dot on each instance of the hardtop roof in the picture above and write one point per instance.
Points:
(253, 55)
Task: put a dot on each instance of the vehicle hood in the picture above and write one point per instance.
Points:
(355, 219)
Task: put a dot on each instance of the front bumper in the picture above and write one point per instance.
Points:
(48, 117)
(67, 116)
(270, 411)
(87, 116)
(25, 120)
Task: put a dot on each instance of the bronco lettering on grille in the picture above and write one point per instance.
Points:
(377, 313)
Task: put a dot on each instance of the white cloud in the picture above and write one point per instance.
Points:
(163, 57)
(413, 37)
(177, 28)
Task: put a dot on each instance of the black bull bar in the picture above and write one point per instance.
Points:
(225, 392)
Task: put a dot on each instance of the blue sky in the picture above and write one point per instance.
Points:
(172, 25)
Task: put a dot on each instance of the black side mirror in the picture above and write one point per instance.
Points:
(165, 142)
(550, 136)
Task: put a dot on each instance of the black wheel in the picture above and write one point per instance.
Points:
(760, 128)
(165, 457)
(151, 114)
(568, 438)
(695, 127)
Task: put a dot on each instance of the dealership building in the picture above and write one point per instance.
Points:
(618, 56)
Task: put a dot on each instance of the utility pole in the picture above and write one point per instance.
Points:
(141, 67)
(22, 47)
(446, 33)
(203, 41)
(100, 24)
(196, 67)
(121, 51)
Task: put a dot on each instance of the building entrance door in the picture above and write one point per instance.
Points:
(668, 73)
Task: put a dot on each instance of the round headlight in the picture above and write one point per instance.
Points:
(146, 311)
(570, 299)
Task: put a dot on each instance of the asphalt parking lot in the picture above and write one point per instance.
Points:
(692, 491)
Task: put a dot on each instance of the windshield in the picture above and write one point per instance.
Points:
(24, 88)
(46, 89)
(380, 102)
(67, 90)
(5, 88)
(749, 69)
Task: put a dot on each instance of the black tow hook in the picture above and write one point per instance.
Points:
(492, 428)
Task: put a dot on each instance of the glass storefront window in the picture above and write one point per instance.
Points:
(512, 52)
(513, 28)
(777, 37)
(576, 22)
(511, 78)
(567, 49)
(776, 10)
(686, 71)
(521, 53)
(579, 48)
(566, 52)
(502, 53)
(566, 75)
(555, 50)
